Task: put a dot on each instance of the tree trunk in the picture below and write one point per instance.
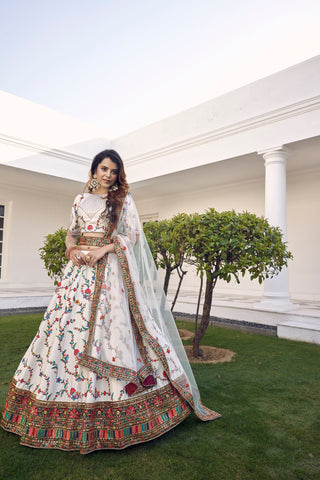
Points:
(166, 280)
(181, 274)
(205, 317)
(198, 304)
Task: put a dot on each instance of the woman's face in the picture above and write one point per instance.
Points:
(107, 173)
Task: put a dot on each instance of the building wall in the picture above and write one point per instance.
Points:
(32, 214)
(30, 217)
(303, 205)
(247, 196)
(303, 209)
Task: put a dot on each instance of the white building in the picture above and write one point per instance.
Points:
(256, 148)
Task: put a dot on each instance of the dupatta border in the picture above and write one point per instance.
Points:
(181, 383)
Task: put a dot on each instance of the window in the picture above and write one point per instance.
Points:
(1, 237)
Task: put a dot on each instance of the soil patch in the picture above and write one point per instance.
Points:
(210, 354)
(185, 334)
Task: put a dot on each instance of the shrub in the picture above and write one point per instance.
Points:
(53, 254)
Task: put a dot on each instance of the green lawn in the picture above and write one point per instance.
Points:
(269, 396)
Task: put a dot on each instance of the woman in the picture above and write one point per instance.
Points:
(107, 368)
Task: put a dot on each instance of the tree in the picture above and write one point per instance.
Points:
(53, 254)
(227, 245)
(177, 236)
(166, 244)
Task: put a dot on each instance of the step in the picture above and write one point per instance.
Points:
(304, 330)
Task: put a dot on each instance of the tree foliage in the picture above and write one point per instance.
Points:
(226, 245)
(53, 254)
(222, 245)
(166, 245)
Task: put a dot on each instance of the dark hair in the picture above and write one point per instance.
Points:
(114, 197)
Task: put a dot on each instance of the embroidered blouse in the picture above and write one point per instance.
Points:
(88, 214)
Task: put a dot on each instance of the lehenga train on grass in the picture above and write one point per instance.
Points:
(107, 368)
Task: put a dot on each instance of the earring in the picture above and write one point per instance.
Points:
(114, 188)
(94, 184)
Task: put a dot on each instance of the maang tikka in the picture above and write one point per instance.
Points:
(94, 184)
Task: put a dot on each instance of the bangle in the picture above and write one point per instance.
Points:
(69, 250)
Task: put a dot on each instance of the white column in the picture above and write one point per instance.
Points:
(276, 290)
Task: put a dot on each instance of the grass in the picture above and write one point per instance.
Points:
(270, 428)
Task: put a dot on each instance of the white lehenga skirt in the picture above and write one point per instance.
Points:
(56, 402)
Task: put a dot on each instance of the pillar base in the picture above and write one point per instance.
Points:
(275, 304)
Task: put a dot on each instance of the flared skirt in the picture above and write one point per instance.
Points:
(56, 402)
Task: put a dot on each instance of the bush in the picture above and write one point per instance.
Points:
(53, 254)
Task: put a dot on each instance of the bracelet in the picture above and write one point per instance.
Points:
(69, 250)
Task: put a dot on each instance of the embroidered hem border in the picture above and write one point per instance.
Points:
(93, 426)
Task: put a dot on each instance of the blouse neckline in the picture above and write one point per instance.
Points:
(96, 194)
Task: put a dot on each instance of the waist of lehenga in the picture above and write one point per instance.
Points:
(91, 240)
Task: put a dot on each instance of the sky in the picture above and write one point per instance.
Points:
(123, 64)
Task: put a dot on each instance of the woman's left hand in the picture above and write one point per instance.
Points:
(93, 256)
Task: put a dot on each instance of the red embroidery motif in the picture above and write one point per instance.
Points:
(55, 413)
(109, 413)
(130, 410)
(74, 414)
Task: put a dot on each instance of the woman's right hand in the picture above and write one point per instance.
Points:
(77, 257)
